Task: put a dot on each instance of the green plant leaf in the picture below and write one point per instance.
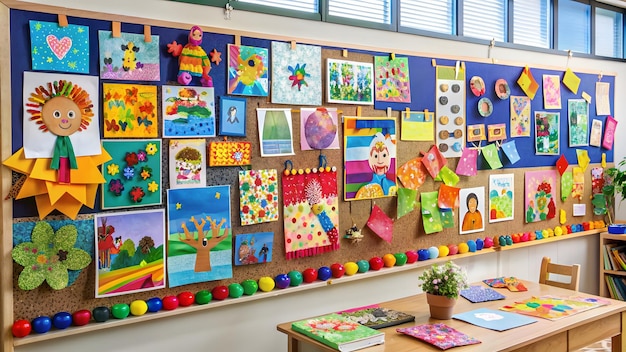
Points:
(77, 259)
(42, 233)
(65, 237)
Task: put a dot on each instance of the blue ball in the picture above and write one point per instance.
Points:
(42, 324)
(422, 254)
(502, 240)
(538, 234)
(324, 273)
(282, 280)
(62, 320)
(472, 245)
(479, 244)
(433, 252)
(509, 240)
(154, 304)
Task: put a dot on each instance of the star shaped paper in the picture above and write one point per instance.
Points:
(562, 164)
(216, 56)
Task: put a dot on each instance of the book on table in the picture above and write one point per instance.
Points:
(339, 332)
(377, 317)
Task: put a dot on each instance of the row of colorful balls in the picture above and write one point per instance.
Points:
(63, 320)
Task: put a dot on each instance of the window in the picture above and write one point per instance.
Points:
(609, 33)
(296, 5)
(485, 19)
(574, 22)
(531, 22)
(429, 15)
(376, 11)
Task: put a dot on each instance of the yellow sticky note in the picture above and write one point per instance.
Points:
(583, 158)
(528, 83)
(587, 97)
(571, 81)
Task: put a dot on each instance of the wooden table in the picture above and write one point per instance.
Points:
(566, 334)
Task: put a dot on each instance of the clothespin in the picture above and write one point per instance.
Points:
(389, 111)
(358, 111)
(116, 29)
(569, 56)
(344, 53)
(147, 35)
(407, 113)
(293, 45)
(492, 44)
(62, 20)
(433, 62)
(392, 56)
(228, 10)
(426, 117)
(600, 75)
(456, 69)
(237, 40)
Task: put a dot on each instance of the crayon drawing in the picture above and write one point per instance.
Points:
(578, 122)
(187, 160)
(296, 74)
(350, 82)
(254, 248)
(275, 132)
(199, 235)
(393, 83)
(520, 116)
(131, 252)
(129, 57)
(501, 197)
(547, 134)
(56, 48)
(539, 195)
(188, 112)
(129, 111)
(248, 70)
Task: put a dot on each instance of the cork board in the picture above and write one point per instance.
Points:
(408, 234)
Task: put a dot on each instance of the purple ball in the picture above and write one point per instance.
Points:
(282, 280)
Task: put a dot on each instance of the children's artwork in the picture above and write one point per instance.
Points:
(491, 155)
(477, 294)
(254, 248)
(275, 132)
(129, 57)
(349, 82)
(130, 110)
(562, 164)
(196, 254)
(527, 82)
(380, 224)
(496, 132)
(131, 252)
(512, 283)
(370, 157)
(393, 83)
(551, 307)
(547, 134)
(439, 335)
(227, 153)
(56, 48)
(578, 186)
(571, 80)
(187, 163)
(472, 207)
(431, 216)
(610, 125)
(188, 112)
(502, 89)
(417, 126)
(450, 120)
(603, 104)
(520, 116)
(407, 201)
(296, 74)
(597, 180)
(62, 150)
(311, 213)
(448, 197)
(539, 195)
(467, 162)
(232, 116)
(258, 196)
(501, 197)
(551, 92)
(193, 61)
(433, 161)
(595, 136)
(567, 185)
(582, 155)
(578, 122)
(133, 175)
(476, 133)
(448, 176)
(248, 70)
(412, 174)
(318, 128)
(494, 319)
(510, 150)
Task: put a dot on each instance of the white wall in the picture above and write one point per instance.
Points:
(251, 326)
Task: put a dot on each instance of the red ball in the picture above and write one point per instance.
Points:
(337, 270)
(454, 249)
(81, 317)
(21, 328)
(186, 298)
(220, 293)
(309, 275)
(170, 302)
(411, 256)
(376, 263)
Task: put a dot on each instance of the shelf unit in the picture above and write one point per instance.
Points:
(607, 238)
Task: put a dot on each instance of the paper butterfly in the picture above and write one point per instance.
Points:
(145, 121)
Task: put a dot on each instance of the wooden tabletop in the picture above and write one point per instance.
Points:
(606, 322)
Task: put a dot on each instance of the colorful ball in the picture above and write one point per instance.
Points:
(411, 257)
(364, 265)
(479, 244)
(170, 302)
(309, 275)
(295, 278)
(42, 324)
(249, 287)
(401, 258)
(337, 270)
(351, 268)
(488, 242)
(62, 320)
(204, 296)
(443, 251)
(154, 304)
(186, 298)
(433, 252)
(220, 292)
(100, 314)
(423, 254)
(389, 260)
(324, 273)
(376, 263)
(463, 247)
(453, 249)
(235, 290)
(471, 245)
(21, 328)
(81, 317)
(266, 284)
(138, 307)
(120, 310)
(282, 281)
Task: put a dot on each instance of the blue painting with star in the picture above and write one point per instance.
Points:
(56, 48)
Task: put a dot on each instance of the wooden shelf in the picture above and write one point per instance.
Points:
(606, 238)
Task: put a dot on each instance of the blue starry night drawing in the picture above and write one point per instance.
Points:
(56, 48)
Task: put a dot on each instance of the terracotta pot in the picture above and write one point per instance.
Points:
(441, 307)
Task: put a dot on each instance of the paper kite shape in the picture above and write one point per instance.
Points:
(412, 174)
(467, 163)
(490, 153)
(562, 164)
(433, 160)
(528, 83)
(380, 224)
(567, 184)
(510, 150)
(583, 158)
(407, 201)
(431, 216)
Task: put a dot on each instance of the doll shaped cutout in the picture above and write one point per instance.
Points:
(193, 61)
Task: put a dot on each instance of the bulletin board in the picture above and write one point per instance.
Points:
(408, 231)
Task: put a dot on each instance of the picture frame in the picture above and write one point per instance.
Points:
(232, 117)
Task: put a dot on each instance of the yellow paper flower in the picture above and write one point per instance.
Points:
(151, 149)
(113, 169)
(153, 186)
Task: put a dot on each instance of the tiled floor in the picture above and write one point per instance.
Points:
(602, 346)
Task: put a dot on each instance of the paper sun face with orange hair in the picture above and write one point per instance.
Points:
(62, 150)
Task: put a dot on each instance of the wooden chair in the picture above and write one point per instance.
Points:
(547, 268)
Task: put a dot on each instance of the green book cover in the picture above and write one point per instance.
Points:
(377, 317)
(338, 332)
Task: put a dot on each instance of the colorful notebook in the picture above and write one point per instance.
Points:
(377, 317)
(494, 319)
(338, 332)
(439, 335)
(477, 294)
(512, 283)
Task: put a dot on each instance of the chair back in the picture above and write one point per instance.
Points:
(547, 268)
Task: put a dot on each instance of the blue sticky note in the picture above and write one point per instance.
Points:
(510, 150)
(56, 48)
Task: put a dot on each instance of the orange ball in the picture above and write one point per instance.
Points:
(389, 260)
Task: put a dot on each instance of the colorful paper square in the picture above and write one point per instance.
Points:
(56, 48)
(258, 196)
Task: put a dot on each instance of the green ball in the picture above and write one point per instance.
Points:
(364, 265)
(204, 297)
(249, 287)
(120, 310)
(235, 290)
(400, 258)
(295, 278)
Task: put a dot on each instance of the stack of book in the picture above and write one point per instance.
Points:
(614, 255)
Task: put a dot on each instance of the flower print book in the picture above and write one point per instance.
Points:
(377, 317)
(439, 335)
(339, 333)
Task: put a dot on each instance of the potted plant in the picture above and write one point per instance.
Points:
(615, 184)
(442, 284)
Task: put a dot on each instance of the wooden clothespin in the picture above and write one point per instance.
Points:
(237, 40)
(62, 20)
(407, 113)
(344, 53)
(147, 34)
(293, 45)
(116, 29)
(392, 56)
(389, 111)
(358, 111)
(433, 62)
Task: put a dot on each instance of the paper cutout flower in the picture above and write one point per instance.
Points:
(137, 194)
(131, 159)
(151, 149)
(142, 156)
(146, 172)
(49, 257)
(129, 172)
(298, 75)
(113, 169)
(116, 186)
(153, 186)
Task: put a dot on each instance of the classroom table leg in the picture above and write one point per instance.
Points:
(292, 344)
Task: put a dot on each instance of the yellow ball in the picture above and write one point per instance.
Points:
(389, 260)
(558, 231)
(138, 307)
(266, 284)
(443, 251)
(545, 233)
(463, 248)
(351, 268)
